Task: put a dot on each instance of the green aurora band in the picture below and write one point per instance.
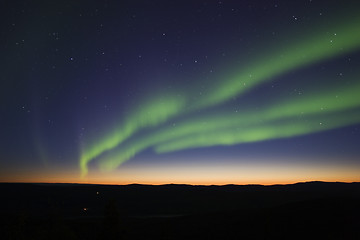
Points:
(298, 116)
(155, 112)
(290, 128)
(324, 44)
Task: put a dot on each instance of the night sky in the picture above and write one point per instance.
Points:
(196, 92)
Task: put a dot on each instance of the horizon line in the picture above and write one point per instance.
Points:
(179, 184)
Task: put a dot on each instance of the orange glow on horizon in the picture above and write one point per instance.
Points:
(241, 174)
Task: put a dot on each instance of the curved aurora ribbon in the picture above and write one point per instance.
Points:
(153, 113)
(295, 127)
(326, 43)
(299, 116)
(280, 60)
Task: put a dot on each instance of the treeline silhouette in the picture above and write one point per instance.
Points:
(314, 210)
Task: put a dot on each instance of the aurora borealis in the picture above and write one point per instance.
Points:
(110, 92)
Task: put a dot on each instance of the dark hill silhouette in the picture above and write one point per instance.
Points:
(312, 210)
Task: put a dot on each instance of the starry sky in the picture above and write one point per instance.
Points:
(195, 92)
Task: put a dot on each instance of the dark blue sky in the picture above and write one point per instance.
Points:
(76, 73)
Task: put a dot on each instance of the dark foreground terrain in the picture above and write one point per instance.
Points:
(314, 210)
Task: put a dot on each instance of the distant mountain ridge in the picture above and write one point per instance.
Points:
(175, 184)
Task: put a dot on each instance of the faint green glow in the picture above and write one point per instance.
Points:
(290, 128)
(112, 149)
(305, 51)
(151, 114)
(301, 109)
(299, 115)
